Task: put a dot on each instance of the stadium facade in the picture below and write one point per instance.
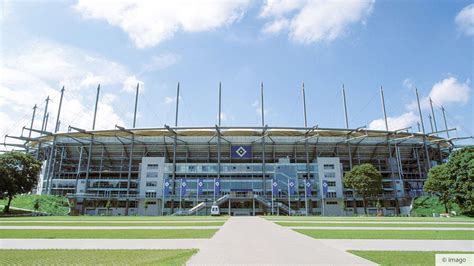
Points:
(244, 170)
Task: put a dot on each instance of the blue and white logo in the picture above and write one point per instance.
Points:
(217, 187)
(274, 187)
(200, 186)
(241, 152)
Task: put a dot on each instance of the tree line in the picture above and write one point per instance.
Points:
(452, 181)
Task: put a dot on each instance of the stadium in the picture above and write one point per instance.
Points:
(255, 170)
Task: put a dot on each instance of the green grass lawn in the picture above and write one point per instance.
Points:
(448, 225)
(108, 234)
(387, 234)
(95, 257)
(412, 258)
(115, 218)
(371, 219)
(170, 223)
(54, 205)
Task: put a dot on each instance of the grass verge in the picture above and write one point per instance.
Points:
(412, 258)
(107, 234)
(354, 224)
(456, 219)
(116, 218)
(95, 257)
(387, 234)
(170, 223)
(54, 205)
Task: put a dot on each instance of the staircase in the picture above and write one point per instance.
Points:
(201, 206)
(285, 208)
(279, 205)
(196, 208)
(221, 200)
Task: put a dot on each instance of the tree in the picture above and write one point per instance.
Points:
(460, 168)
(439, 183)
(36, 205)
(365, 180)
(146, 207)
(108, 205)
(18, 174)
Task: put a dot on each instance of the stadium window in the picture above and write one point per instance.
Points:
(328, 167)
(330, 175)
(331, 202)
(152, 175)
(332, 195)
(152, 166)
(150, 194)
(331, 184)
(151, 184)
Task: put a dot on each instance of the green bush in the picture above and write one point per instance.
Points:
(53, 205)
(425, 206)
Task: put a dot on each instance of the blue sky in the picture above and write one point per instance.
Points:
(363, 44)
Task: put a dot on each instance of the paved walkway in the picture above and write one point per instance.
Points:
(404, 245)
(253, 240)
(39, 227)
(381, 228)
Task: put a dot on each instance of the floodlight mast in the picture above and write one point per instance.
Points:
(50, 166)
(433, 115)
(423, 130)
(392, 172)
(89, 153)
(346, 119)
(56, 129)
(132, 146)
(219, 139)
(31, 125)
(306, 150)
(263, 141)
(175, 140)
(445, 122)
(43, 127)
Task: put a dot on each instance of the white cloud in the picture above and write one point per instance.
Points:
(32, 72)
(280, 7)
(159, 62)
(314, 21)
(60, 65)
(408, 83)
(395, 122)
(170, 100)
(149, 23)
(465, 20)
(450, 91)
(446, 92)
(130, 84)
(6, 10)
(276, 25)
